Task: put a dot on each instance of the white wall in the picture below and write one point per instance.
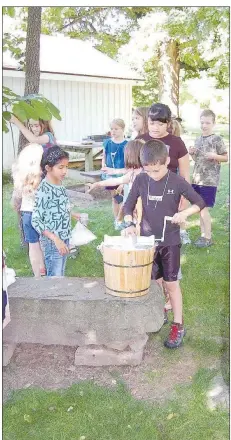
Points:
(86, 108)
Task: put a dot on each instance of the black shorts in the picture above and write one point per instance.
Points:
(166, 263)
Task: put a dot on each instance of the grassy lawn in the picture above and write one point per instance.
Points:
(101, 414)
(89, 412)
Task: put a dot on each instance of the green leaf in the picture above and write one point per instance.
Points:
(31, 113)
(4, 126)
(54, 110)
(19, 112)
(42, 110)
(6, 115)
(7, 91)
(11, 11)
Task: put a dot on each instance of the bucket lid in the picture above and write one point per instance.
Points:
(127, 243)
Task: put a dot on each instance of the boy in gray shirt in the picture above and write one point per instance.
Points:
(208, 153)
(160, 190)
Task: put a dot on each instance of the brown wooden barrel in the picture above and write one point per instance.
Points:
(127, 273)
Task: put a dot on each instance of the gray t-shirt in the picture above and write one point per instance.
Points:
(207, 172)
(159, 199)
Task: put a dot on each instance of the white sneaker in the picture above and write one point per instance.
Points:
(184, 237)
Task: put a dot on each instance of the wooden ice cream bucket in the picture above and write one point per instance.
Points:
(128, 265)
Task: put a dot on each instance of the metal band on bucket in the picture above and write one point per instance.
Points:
(139, 265)
(126, 291)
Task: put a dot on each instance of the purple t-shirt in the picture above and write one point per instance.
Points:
(177, 148)
(159, 199)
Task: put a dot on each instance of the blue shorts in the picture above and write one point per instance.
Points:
(207, 193)
(30, 234)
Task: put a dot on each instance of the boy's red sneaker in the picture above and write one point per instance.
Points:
(175, 338)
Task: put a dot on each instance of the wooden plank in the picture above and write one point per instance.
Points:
(89, 160)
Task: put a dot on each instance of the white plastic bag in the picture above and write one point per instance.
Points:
(80, 235)
(10, 276)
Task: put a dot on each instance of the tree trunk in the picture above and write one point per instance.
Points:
(32, 58)
(169, 75)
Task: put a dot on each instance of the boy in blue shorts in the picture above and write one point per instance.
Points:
(208, 153)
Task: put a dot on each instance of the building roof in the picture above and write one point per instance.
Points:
(64, 55)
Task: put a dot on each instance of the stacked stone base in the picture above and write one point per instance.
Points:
(106, 330)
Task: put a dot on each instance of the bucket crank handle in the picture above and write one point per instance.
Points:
(166, 218)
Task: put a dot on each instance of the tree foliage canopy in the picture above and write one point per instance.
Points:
(107, 27)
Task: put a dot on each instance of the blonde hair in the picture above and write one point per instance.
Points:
(119, 122)
(143, 112)
(176, 127)
(26, 171)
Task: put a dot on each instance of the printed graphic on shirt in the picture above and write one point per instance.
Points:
(52, 210)
(207, 172)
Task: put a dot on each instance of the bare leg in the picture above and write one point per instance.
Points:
(202, 226)
(168, 305)
(115, 206)
(120, 213)
(36, 258)
(206, 219)
(22, 239)
(42, 262)
(174, 291)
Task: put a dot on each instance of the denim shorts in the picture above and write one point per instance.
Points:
(30, 234)
(54, 262)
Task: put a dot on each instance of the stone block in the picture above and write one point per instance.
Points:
(134, 344)
(78, 312)
(8, 351)
(102, 356)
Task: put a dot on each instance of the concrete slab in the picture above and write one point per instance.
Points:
(77, 312)
(100, 356)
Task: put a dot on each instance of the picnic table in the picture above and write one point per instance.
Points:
(83, 147)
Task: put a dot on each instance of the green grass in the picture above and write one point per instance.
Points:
(89, 412)
(103, 414)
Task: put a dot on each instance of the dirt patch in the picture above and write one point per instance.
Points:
(52, 367)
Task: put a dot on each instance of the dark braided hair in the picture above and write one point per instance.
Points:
(52, 156)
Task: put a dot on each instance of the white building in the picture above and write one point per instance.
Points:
(88, 87)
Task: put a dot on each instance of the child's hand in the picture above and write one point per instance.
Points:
(179, 217)
(13, 119)
(76, 215)
(211, 156)
(192, 150)
(61, 246)
(131, 230)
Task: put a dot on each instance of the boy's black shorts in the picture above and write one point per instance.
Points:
(166, 262)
